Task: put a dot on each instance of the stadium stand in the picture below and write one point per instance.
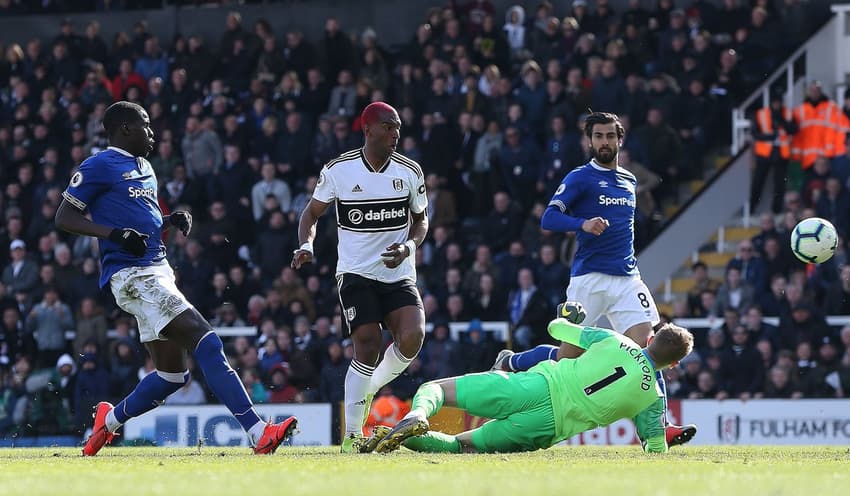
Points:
(491, 101)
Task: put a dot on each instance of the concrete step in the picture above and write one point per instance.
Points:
(670, 210)
(714, 259)
(684, 272)
(664, 308)
(720, 162)
(737, 234)
(681, 284)
(695, 186)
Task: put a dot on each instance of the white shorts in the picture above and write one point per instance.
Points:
(150, 294)
(624, 300)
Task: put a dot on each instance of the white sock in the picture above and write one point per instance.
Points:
(256, 431)
(357, 381)
(393, 364)
(112, 423)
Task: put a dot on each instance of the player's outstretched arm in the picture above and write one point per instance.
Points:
(650, 427)
(307, 232)
(577, 335)
(566, 331)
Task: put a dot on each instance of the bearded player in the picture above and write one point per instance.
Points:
(597, 201)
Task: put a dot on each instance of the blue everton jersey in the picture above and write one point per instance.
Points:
(119, 190)
(592, 191)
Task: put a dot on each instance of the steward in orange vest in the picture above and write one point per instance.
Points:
(773, 127)
(823, 128)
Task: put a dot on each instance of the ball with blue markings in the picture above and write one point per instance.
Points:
(814, 240)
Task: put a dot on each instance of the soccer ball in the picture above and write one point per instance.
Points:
(814, 240)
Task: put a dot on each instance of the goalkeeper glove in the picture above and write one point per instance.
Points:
(130, 239)
(572, 311)
(182, 220)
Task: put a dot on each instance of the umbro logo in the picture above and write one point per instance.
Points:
(603, 184)
(356, 189)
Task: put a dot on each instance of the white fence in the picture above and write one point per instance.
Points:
(755, 422)
(501, 330)
(213, 425)
(713, 323)
(802, 422)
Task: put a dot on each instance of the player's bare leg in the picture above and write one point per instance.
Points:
(639, 333)
(367, 341)
(509, 361)
(567, 350)
(676, 434)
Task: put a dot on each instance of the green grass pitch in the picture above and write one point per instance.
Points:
(563, 471)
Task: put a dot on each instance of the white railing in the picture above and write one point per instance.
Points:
(221, 331)
(681, 238)
(741, 123)
(500, 329)
(825, 60)
(716, 322)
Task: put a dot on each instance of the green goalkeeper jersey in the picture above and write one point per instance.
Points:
(613, 379)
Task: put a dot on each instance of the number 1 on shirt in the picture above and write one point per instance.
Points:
(619, 372)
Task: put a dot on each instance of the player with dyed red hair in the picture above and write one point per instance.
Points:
(380, 201)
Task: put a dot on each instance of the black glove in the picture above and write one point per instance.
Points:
(182, 220)
(573, 311)
(130, 240)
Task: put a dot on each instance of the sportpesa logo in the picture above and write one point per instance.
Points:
(357, 216)
(620, 202)
(148, 193)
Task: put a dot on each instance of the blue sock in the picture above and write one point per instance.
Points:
(223, 381)
(150, 392)
(659, 378)
(519, 362)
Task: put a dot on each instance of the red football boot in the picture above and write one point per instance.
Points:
(100, 435)
(679, 434)
(274, 435)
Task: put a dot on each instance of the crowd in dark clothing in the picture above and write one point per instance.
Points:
(491, 105)
(801, 356)
(28, 7)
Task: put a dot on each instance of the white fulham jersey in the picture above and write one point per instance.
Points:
(373, 211)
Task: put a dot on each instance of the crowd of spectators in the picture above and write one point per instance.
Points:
(746, 357)
(491, 104)
(28, 7)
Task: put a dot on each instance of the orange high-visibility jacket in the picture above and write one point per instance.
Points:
(386, 410)
(764, 121)
(823, 130)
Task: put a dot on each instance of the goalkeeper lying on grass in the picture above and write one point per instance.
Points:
(553, 401)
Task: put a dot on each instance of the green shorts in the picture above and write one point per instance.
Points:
(519, 404)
